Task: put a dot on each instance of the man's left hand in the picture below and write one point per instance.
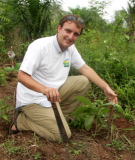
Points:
(111, 95)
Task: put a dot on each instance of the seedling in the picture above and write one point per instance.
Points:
(37, 156)
(36, 139)
(90, 111)
(117, 144)
(4, 109)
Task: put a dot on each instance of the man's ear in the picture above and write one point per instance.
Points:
(59, 28)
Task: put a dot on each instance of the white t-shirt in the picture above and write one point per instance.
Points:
(47, 65)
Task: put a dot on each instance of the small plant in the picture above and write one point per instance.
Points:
(26, 154)
(54, 156)
(60, 140)
(36, 139)
(3, 77)
(117, 144)
(90, 111)
(9, 147)
(127, 92)
(4, 109)
(75, 149)
(15, 69)
(37, 156)
(131, 146)
(118, 158)
(5, 71)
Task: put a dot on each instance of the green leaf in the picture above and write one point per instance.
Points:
(93, 110)
(88, 122)
(84, 100)
(127, 37)
(105, 110)
(134, 106)
(79, 110)
(104, 124)
(119, 108)
(106, 55)
(17, 66)
(103, 105)
(105, 41)
(127, 139)
(8, 69)
(5, 117)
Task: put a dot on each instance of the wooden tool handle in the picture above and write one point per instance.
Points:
(61, 127)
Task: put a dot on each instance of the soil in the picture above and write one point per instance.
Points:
(83, 145)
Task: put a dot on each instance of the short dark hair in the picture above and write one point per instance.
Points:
(74, 18)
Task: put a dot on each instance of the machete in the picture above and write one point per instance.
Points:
(61, 127)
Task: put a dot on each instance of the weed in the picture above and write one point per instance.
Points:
(54, 155)
(4, 109)
(36, 139)
(95, 156)
(117, 144)
(37, 156)
(75, 149)
(3, 77)
(118, 158)
(9, 147)
(26, 155)
(60, 140)
(5, 71)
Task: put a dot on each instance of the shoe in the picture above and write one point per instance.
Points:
(14, 123)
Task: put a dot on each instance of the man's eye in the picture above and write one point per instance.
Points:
(68, 31)
(76, 34)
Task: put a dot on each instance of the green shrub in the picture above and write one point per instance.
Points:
(5, 108)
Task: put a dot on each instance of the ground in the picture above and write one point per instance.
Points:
(83, 145)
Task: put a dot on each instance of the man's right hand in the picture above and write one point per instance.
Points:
(52, 94)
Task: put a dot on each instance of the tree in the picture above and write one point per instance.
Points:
(130, 17)
(3, 20)
(32, 15)
(90, 17)
(56, 14)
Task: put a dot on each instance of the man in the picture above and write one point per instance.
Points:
(43, 79)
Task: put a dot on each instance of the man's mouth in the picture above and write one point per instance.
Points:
(68, 41)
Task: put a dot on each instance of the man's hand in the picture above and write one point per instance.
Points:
(52, 94)
(93, 77)
(111, 95)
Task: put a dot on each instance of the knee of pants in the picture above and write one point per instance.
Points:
(84, 82)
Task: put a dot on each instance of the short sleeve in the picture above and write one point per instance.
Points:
(31, 61)
(77, 61)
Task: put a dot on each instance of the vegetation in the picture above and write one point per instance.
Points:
(107, 47)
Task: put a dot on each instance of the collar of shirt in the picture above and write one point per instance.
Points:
(55, 42)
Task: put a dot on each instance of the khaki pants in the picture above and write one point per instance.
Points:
(42, 120)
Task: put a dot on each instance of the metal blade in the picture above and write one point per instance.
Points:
(61, 127)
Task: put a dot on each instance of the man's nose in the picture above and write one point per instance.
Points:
(71, 36)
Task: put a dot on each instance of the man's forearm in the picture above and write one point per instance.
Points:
(29, 82)
(52, 94)
(93, 77)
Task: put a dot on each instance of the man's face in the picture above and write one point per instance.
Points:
(68, 34)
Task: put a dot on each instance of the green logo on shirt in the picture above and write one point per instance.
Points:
(66, 63)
